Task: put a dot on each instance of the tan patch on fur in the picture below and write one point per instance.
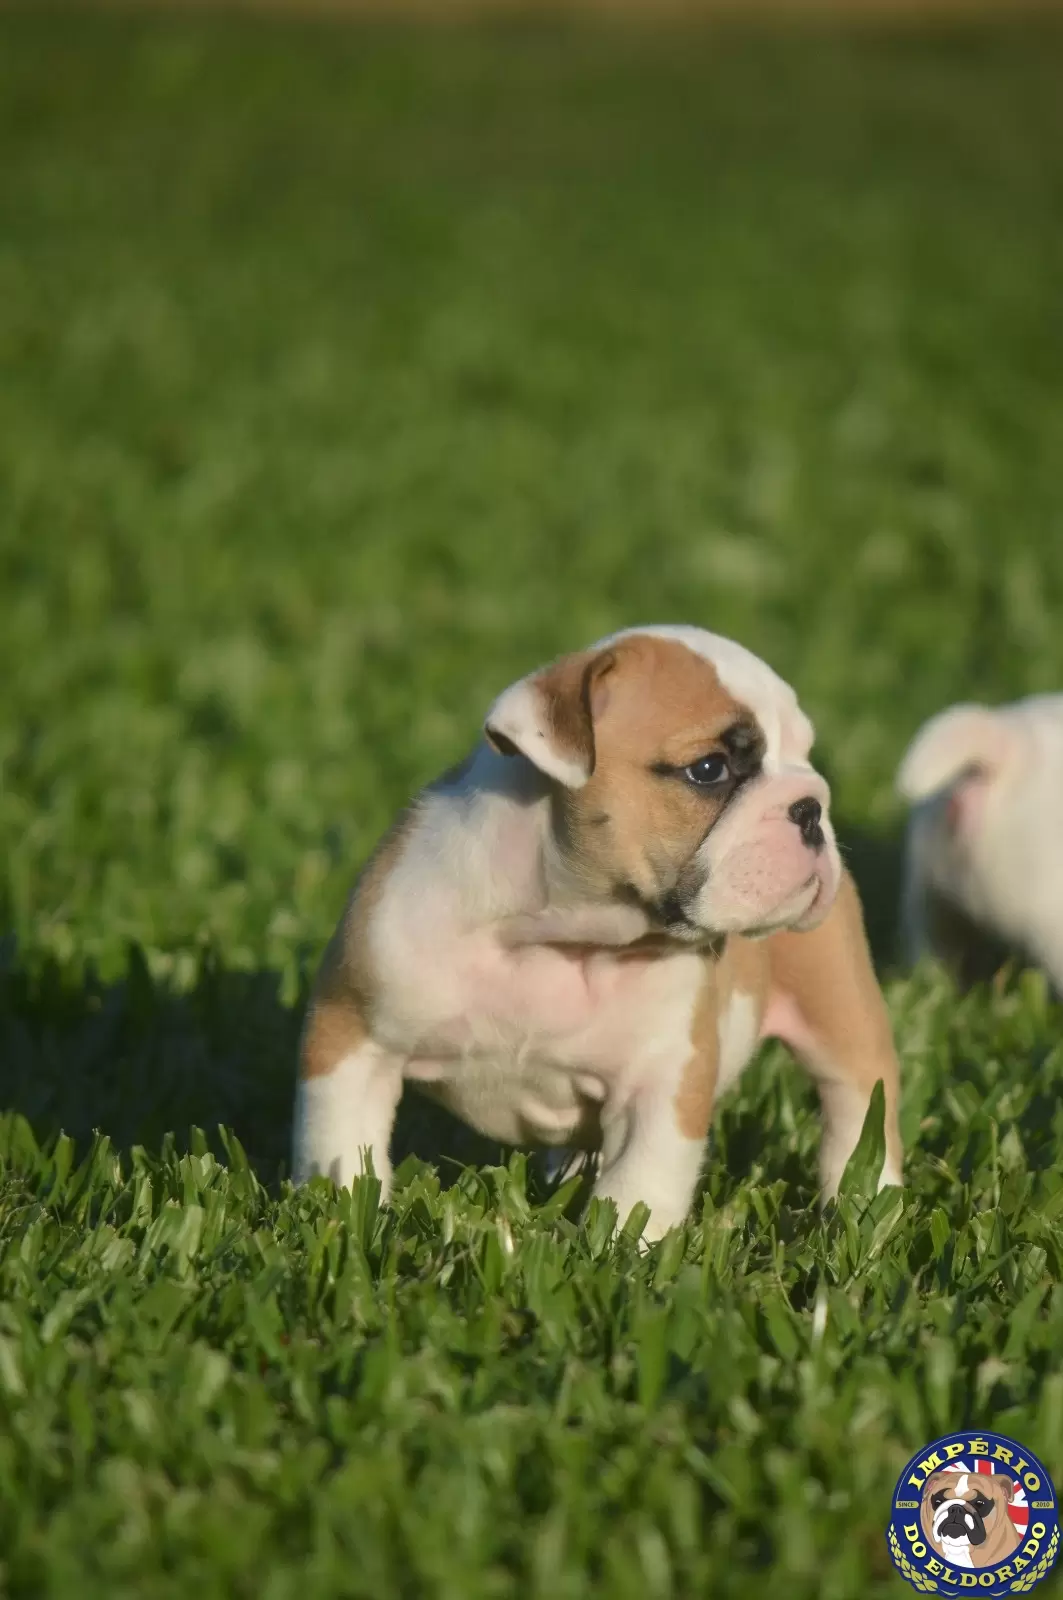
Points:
(340, 1010)
(697, 1087)
(334, 1029)
(663, 701)
(828, 974)
(565, 690)
(744, 970)
(654, 702)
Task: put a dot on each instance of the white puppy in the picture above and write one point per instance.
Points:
(984, 852)
(578, 937)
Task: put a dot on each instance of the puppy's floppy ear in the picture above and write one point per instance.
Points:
(1005, 1484)
(548, 717)
(951, 743)
(939, 1480)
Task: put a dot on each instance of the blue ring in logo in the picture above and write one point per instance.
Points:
(974, 1514)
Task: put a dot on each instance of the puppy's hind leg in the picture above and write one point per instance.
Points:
(346, 1100)
(826, 1004)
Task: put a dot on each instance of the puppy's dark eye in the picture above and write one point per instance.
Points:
(982, 1504)
(707, 772)
(936, 1499)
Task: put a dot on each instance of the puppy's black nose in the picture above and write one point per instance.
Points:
(807, 814)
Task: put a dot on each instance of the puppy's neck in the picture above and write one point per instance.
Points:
(513, 865)
(491, 827)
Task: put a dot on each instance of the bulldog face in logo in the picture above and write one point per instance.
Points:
(965, 1517)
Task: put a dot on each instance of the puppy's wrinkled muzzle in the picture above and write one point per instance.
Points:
(771, 862)
(957, 1520)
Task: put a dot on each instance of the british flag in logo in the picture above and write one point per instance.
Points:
(1018, 1510)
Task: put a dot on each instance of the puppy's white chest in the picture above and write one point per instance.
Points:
(530, 1044)
(572, 1009)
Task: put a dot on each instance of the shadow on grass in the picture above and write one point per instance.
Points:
(876, 863)
(137, 1060)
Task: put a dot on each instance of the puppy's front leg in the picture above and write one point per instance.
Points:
(827, 1006)
(346, 1100)
(654, 1148)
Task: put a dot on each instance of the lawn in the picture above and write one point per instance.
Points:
(344, 375)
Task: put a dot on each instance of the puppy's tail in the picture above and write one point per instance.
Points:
(956, 740)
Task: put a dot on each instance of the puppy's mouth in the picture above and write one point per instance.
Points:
(670, 918)
(959, 1522)
(797, 911)
(667, 915)
(815, 890)
(672, 915)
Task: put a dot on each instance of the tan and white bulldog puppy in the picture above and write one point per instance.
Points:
(578, 937)
(965, 1517)
(984, 851)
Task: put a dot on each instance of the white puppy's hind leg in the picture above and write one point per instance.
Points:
(344, 1108)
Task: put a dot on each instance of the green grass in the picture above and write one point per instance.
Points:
(344, 375)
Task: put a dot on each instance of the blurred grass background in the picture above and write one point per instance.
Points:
(348, 373)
